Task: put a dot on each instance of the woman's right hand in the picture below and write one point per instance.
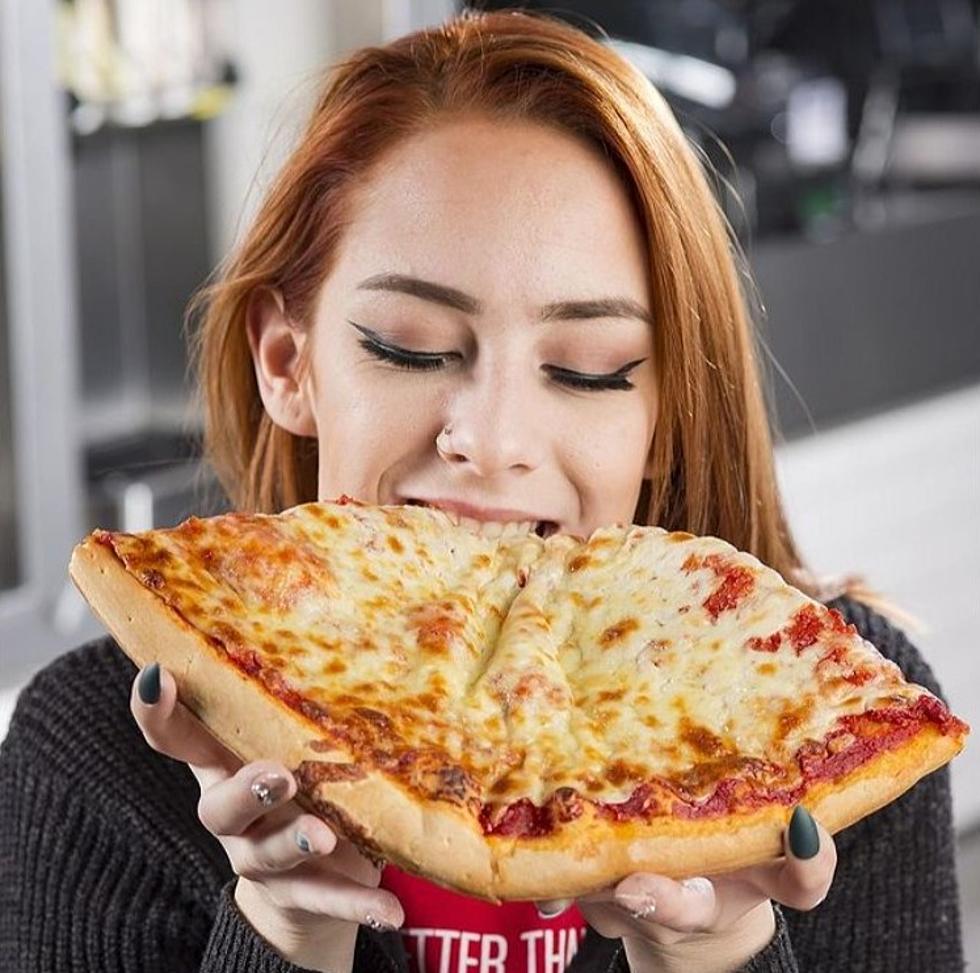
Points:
(301, 887)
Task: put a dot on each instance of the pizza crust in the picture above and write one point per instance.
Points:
(440, 841)
(592, 852)
(227, 702)
(148, 630)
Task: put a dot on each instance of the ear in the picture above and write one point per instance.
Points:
(276, 343)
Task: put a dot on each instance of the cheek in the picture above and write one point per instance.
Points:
(608, 461)
(363, 428)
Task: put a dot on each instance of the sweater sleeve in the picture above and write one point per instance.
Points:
(231, 934)
(96, 872)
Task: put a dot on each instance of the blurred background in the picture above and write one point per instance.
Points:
(136, 137)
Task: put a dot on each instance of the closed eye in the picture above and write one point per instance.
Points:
(425, 361)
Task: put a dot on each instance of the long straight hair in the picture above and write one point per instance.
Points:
(712, 447)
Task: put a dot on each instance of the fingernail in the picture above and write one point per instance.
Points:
(804, 839)
(548, 910)
(699, 884)
(269, 788)
(305, 845)
(379, 925)
(148, 684)
(638, 906)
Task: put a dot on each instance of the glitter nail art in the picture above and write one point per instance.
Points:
(698, 884)
(268, 788)
(379, 925)
(645, 911)
(639, 906)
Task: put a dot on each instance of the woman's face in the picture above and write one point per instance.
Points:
(484, 338)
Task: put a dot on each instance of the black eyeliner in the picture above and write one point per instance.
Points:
(372, 343)
(373, 340)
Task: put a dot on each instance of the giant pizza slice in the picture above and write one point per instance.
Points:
(517, 716)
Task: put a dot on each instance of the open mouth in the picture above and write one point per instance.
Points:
(494, 528)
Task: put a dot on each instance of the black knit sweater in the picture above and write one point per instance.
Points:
(104, 866)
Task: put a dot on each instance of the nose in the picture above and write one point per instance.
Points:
(490, 427)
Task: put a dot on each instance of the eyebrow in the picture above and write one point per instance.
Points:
(427, 290)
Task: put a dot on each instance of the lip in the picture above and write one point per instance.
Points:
(500, 514)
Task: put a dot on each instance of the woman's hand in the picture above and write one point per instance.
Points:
(702, 925)
(300, 886)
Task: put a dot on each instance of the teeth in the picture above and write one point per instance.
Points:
(487, 528)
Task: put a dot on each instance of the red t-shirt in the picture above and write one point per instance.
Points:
(445, 932)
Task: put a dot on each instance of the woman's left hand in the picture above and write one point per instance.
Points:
(702, 925)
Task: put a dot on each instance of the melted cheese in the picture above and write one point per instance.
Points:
(533, 664)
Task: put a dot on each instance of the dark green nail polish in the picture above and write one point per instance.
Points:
(804, 840)
(149, 684)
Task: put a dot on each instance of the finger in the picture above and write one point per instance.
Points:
(170, 728)
(280, 847)
(803, 880)
(550, 908)
(687, 906)
(309, 889)
(231, 805)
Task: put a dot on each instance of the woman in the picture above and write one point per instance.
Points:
(491, 277)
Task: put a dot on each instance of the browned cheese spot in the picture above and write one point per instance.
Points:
(153, 579)
(621, 771)
(428, 701)
(701, 739)
(503, 785)
(436, 625)
(619, 631)
(793, 716)
(611, 694)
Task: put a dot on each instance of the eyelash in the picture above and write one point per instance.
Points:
(427, 363)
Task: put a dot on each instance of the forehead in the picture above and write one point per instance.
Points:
(497, 208)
